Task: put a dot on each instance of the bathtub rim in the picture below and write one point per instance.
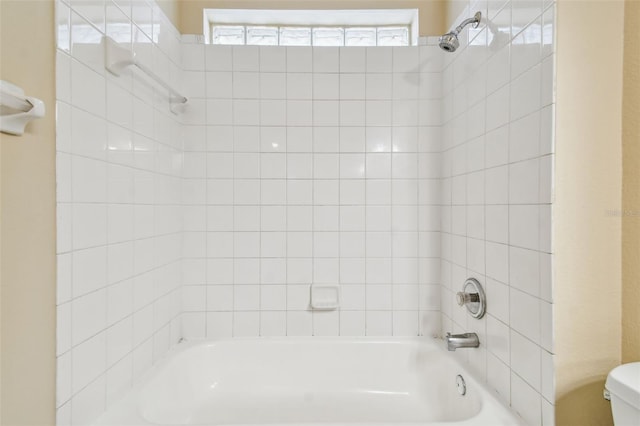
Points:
(129, 401)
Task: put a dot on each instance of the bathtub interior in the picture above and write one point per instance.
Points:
(241, 382)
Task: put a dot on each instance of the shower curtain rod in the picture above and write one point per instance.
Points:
(117, 58)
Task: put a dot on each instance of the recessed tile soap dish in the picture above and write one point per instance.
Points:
(325, 296)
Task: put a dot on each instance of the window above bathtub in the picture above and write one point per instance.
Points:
(369, 27)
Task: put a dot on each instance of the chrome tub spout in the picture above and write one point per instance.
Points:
(465, 340)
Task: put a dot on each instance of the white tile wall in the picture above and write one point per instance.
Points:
(119, 204)
(497, 162)
(312, 165)
(393, 172)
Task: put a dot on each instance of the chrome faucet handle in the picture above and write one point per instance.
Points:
(472, 297)
(463, 298)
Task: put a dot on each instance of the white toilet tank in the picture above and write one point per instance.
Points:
(623, 384)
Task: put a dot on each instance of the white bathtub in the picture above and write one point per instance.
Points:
(291, 381)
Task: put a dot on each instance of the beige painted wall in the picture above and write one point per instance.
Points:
(588, 176)
(453, 9)
(171, 9)
(631, 185)
(431, 12)
(27, 208)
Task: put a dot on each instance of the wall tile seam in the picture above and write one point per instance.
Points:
(109, 78)
(538, 391)
(391, 309)
(510, 327)
(131, 315)
(301, 284)
(136, 274)
(304, 152)
(130, 20)
(466, 174)
(114, 284)
(171, 148)
(471, 77)
(322, 100)
(525, 26)
(207, 136)
(134, 239)
(541, 62)
(201, 258)
(112, 365)
(374, 126)
(108, 363)
(310, 152)
(156, 109)
(106, 287)
(260, 114)
(462, 328)
(127, 166)
(204, 206)
(337, 73)
(460, 205)
(506, 4)
(103, 374)
(463, 114)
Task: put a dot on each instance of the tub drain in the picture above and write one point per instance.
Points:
(462, 386)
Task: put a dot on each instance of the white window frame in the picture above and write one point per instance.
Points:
(313, 19)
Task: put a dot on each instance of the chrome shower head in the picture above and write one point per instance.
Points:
(449, 42)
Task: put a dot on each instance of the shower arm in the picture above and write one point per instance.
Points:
(475, 20)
